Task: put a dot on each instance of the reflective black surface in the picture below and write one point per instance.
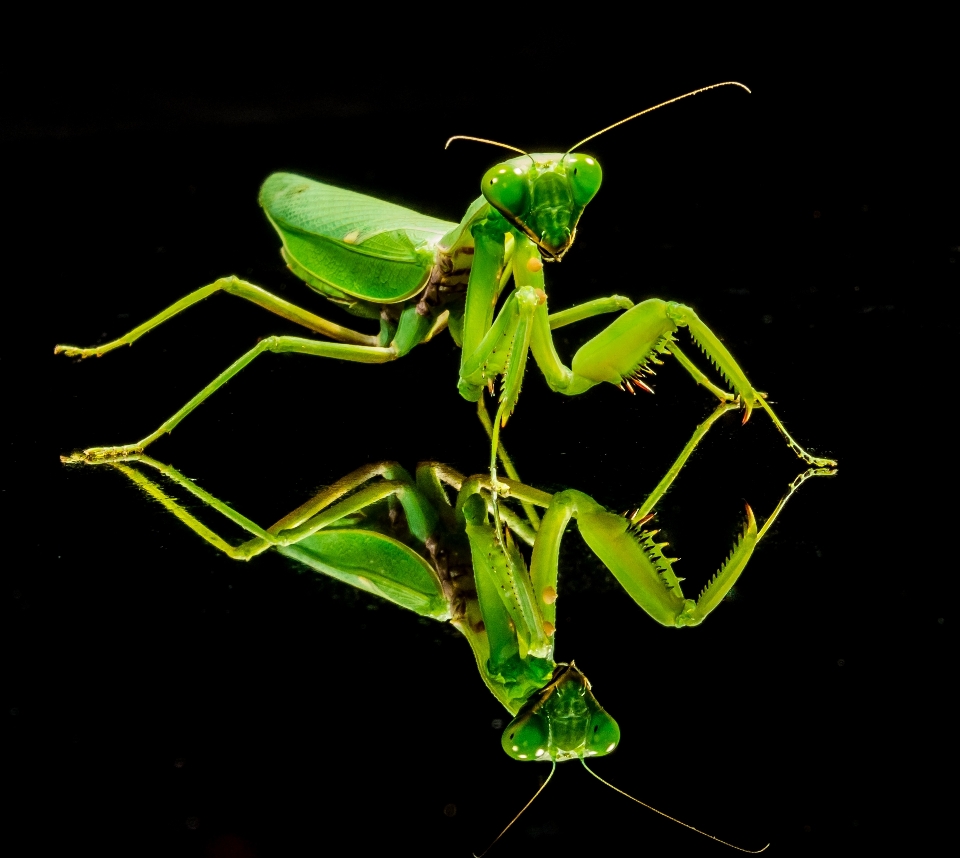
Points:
(164, 699)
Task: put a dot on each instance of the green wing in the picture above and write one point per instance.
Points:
(376, 563)
(359, 245)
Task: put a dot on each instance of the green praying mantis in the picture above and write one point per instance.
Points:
(427, 543)
(417, 275)
(404, 538)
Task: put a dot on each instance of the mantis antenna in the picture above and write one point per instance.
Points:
(655, 107)
(484, 140)
(602, 130)
(543, 786)
(649, 807)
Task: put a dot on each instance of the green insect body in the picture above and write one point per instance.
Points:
(460, 561)
(417, 275)
(404, 540)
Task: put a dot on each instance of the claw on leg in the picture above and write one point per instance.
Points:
(642, 384)
(637, 520)
(76, 351)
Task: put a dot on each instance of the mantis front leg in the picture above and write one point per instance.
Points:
(622, 354)
(500, 347)
(634, 558)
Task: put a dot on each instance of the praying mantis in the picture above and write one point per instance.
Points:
(417, 275)
(404, 539)
(460, 285)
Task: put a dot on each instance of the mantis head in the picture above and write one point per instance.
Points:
(543, 195)
(562, 721)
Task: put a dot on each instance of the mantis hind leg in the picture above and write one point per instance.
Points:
(242, 289)
(322, 534)
(356, 491)
(297, 345)
(347, 532)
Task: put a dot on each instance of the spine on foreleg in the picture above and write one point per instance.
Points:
(718, 353)
(633, 557)
(729, 572)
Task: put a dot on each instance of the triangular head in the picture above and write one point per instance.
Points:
(563, 721)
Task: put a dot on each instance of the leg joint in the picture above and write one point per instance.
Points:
(687, 616)
(678, 313)
(270, 344)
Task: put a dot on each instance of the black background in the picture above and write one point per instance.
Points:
(162, 699)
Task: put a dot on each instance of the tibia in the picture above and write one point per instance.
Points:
(719, 356)
(726, 577)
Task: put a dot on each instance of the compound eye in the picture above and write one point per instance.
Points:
(526, 738)
(585, 175)
(603, 735)
(506, 188)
